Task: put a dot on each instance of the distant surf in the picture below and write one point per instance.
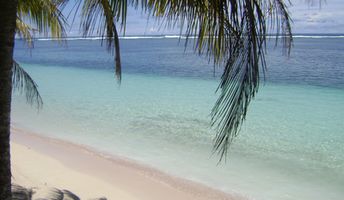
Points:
(137, 37)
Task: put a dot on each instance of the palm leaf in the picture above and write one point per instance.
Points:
(54, 194)
(100, 16)
(21, 193)
(22, 82)
(57, 194)
(44, 15)
(69, 195)
(25, 31)
(232, 33)
(47, 19)
(244, 66)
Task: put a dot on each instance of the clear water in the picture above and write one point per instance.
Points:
(290, 146)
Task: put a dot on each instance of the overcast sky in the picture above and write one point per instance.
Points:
(307, 18)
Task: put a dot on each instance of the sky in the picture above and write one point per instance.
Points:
(307, 18)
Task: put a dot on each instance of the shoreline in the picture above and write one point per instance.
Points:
(40, 161)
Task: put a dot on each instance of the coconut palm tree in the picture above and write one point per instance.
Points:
(233, 33)
(14, 14)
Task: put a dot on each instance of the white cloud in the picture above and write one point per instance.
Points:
(313, 18)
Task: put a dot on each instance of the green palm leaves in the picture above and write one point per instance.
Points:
(234, 34)
(244, 64)
(101, 16)
(42, 16)
(22, 81)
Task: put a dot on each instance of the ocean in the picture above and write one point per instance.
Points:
(289, 147)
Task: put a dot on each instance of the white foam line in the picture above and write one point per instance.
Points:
(180, 37)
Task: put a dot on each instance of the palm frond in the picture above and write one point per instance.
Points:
(205, 19)
(21, 193)
(22, 82)
(54, 194)
(100, 17)
(241, 76)
(57, 194)
(25, 32)
(69, 195)
(234, 34)
(44, 15)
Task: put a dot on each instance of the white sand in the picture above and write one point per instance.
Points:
(44, 162)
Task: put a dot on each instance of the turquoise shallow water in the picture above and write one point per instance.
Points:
(290, 146)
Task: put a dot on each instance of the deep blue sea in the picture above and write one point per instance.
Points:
(290, 147)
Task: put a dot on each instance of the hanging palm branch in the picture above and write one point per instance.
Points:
(234, 34)
(244, 63)
(46, 17)
(99, 17)
(22, 82)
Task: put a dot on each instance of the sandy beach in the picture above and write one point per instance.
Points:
(41, 162)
